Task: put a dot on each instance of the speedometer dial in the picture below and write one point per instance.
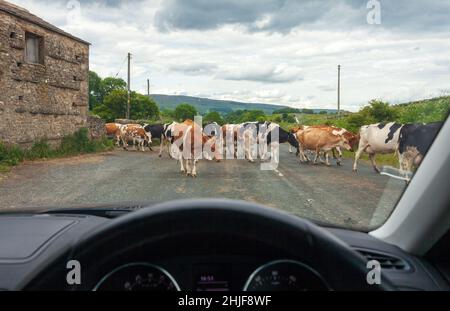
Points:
(285, 275)
(138, 277)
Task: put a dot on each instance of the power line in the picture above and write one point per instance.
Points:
(121, 66)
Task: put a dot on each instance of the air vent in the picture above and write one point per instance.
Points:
(387, 262)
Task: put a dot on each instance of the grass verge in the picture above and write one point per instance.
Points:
(380, 159)
(71, 145)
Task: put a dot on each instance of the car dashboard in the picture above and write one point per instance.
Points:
(194, 263)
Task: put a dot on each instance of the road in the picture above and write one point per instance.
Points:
(329, 194)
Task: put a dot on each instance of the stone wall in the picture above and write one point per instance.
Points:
(41, 101)
(96, 126)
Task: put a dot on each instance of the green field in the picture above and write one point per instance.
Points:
(424, 111)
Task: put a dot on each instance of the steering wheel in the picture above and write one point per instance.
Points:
(343, 268)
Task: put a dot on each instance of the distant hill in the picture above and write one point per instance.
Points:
(204, 105)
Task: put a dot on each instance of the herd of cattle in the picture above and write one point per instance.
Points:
(410, 141)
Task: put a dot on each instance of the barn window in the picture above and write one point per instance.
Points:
(34, 49)
(12, 35)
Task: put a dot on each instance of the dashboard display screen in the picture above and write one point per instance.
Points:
(212, 277)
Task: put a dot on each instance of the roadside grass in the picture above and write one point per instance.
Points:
(71, 145)
(380, 159)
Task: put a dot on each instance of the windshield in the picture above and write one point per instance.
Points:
(321, 109)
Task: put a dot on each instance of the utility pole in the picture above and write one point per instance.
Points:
(148, 87)
(339, 91)
(129, 87)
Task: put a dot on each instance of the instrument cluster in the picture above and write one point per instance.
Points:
(279, 275)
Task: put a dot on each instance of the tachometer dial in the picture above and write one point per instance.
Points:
(285, 275)
(138, 277)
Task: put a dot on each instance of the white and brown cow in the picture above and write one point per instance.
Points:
(189, 143)
(382, 138)
(320, 140)
(137, 134)
(114, 130)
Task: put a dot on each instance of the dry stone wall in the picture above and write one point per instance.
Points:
(37, 101)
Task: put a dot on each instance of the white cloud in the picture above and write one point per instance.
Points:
(282, 73)
(249, 60)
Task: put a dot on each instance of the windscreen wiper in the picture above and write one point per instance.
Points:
(106, 211)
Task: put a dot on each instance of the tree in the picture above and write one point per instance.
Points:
(115, 105)
(287, 110)
(167, 113)
(356, 120)
(100, 88)
(277, 119)
(253, 115)
(143, 108)
(95, 90)
(213, 116)
(290, 119)
(110, 84)
(380, 111)
(184, 112)
(242, 116)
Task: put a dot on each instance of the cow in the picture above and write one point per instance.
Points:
(114, 129)
(136, 134)
(188, 144)
(212, 126)
(380, 138)
(318, 140)
(231, 133)
(163, 132)
(352, 138)
(414, 142)
(283, 137)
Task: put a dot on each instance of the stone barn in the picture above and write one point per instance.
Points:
(44, 74)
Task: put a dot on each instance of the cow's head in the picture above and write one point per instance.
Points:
(297, 129)
(344, 143)
(353, 140)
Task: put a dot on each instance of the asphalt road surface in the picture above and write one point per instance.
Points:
(329, 194)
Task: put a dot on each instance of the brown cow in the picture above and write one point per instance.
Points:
(352, 139)
(114, 129)
(189, 141)
(319, 139)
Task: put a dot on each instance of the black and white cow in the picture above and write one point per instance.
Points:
(377, 138)
(415, 141)
(162, 132)
(284, 137)
(265, 133)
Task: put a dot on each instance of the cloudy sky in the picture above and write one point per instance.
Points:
(269, 51)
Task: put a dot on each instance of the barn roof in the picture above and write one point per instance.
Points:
(29, 17)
